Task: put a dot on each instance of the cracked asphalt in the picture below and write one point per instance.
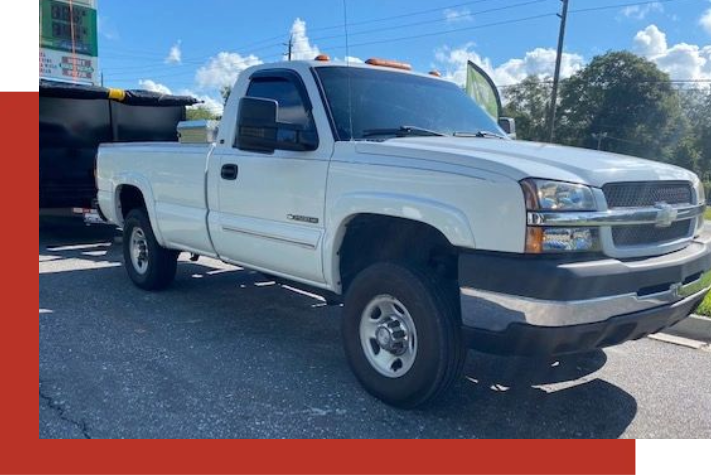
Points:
(226, 353)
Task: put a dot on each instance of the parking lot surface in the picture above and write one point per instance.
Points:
(226, 353)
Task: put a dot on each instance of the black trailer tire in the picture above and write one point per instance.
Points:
(425, 319)
(150, 266)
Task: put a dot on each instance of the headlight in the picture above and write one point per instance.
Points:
(701, 193)
(556, 196)
(547, 195)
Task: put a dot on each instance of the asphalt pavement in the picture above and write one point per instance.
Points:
(225, 353)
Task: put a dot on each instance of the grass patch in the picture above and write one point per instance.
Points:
(708, 214)
(705, 308)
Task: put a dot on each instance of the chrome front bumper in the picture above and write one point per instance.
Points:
(504, 294)
(496, 312)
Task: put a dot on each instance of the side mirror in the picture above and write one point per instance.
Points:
(508, 125)
(258, 129)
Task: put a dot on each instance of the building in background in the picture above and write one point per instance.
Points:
(69, 43)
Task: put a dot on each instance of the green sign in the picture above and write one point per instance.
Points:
(482, 89)
(69, 26)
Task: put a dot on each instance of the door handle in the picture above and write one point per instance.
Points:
(229, 172)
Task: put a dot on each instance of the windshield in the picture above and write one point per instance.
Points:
(390, 101)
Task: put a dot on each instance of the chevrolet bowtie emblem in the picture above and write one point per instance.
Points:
(666, 215)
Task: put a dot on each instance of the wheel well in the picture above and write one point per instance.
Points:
(375, 238)
(130, 198)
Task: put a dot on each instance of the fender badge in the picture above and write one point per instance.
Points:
(303, 219)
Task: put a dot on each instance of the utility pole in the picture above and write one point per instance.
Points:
(558, 64)
(290, 45)
(600, 137)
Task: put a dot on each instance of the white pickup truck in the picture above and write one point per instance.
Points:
(395, 194)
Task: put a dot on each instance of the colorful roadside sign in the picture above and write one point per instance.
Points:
(69, 45)
(482, 89)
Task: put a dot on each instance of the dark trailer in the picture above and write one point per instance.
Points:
(75, 119)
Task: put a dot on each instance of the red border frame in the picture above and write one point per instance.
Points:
(24, 453)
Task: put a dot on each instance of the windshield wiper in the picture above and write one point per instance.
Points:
(401, 132)
(482, 134)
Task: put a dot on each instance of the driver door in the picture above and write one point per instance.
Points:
(271, 205)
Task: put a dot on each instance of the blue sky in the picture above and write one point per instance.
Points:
(192, 46)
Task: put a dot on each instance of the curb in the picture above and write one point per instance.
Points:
(693, 328)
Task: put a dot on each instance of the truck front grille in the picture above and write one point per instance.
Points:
(648, 195)
(641, 195)
(649, 234)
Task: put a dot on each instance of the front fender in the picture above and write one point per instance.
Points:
(450, 221)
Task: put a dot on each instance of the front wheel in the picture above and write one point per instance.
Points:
(402, 334)
(150, 266)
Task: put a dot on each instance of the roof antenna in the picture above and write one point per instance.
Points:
(348, 64)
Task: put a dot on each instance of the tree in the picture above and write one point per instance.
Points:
(627, 97)
(705, 136)
(528, 103)
(225, 93)
(200, 113)
(687, 155)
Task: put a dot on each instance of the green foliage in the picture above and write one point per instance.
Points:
(624, 104)
(528, 103)
(687, 155)
(225, 93)
(628, 98)
(200, 113)
(705, 307)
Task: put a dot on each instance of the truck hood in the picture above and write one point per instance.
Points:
(518, 160)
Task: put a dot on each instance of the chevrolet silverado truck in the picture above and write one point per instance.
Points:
(396, 195)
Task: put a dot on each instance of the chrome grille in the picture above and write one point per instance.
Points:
(649, 234)
(640, 195)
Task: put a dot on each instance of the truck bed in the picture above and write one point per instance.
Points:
(175, 175)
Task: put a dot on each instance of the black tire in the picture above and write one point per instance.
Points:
(436, 313)
(160, 264)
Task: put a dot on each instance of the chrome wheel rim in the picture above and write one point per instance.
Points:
(388, 336)
(139, 251)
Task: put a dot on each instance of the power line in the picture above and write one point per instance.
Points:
(149, 68)
(440, 33)
(623, 5)
(276, 38)
(428, 22)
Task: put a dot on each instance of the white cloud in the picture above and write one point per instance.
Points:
(538, 62)
(107, 29)
(680, 61)
(640, 12)
(453, 15)
(302, 47)
(705, 21)
(223, 69)
(650, 42)
(150, 85)
(349, 59)
(211, 103)
(175, 55)
(216, 106)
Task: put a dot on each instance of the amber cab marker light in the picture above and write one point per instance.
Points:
(323, 58)
(387, 63)
(436, 74)
(534, 241)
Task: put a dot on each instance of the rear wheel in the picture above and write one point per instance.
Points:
(150, 266)
(402, 334)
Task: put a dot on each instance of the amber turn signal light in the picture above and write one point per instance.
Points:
(387, 63)
(534, 240)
